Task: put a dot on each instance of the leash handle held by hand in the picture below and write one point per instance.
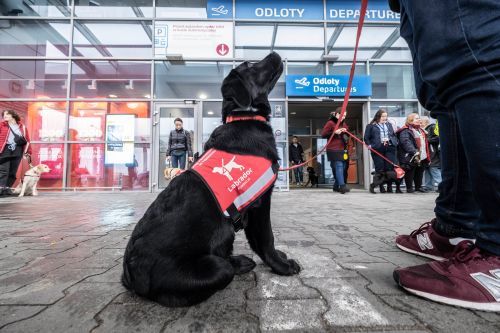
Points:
(364, 4)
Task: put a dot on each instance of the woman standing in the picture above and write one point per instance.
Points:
(379, 135)
(336, 150)
(413, 152)
(179, 143)
(14, 142)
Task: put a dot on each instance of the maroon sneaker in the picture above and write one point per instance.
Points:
(426, 242)
(470, 279)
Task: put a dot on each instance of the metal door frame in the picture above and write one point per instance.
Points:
(155, 159)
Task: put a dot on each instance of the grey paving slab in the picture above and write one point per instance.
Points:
(60, 269)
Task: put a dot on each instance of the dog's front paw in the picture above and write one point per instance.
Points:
(282, 254)
(242, 264)
(294, 267)
(291, 268)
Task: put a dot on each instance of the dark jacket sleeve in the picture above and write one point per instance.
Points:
(189, 145)
(395, 6)
(301, 152)
(367, 137)
(431, 137)
(406, 142)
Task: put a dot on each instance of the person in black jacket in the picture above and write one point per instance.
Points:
(433, 170)
(413, 152)
(296, 156)
(179, 144)
(380, 136)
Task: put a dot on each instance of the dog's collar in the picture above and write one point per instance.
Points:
(230, 119)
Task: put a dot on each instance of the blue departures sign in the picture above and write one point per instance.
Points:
(220, 9)
(345, 10)
(297, 10)
(327, 85)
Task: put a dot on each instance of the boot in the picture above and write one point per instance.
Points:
(398, 187)
(344, 189)
(372, 188)
(389, 187)
(382, 189)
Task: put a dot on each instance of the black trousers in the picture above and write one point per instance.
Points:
(414, 175)
(9, 163)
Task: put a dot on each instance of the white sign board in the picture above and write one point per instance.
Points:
(194, 39)
(120, 130)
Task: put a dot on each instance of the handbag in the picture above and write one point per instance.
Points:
(19, 139)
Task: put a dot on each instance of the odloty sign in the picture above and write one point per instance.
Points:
(280, 9)
(303, 10)
(194, 39)
(327, 85)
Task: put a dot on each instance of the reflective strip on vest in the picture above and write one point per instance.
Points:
(234, 180)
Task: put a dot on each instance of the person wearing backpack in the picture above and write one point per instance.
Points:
(14, 143)
(179, 143)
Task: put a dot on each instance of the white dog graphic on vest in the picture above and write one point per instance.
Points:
(226, 169)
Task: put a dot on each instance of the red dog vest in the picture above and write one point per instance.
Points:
(234, 180)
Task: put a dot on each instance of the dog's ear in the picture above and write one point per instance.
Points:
(234, 89)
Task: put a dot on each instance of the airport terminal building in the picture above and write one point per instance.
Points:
(99, 82)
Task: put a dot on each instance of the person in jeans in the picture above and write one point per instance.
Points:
(296, 156)
(179, 143)
(336, 150)
(456, 58)
(413, 152)
(11, 151)
(380, 136)
(433, 171)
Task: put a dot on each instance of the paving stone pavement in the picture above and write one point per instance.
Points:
(60, 267)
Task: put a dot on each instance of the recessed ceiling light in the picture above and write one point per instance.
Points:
(112, 96)
(203, 96)
(147, 96)
(210, 112)
(293, 112)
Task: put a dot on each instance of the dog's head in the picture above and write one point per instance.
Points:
(41, 168)
(247, 87)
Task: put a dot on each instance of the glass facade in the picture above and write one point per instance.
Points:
(70, 67)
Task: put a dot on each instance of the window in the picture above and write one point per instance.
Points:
(87, 119)
(306, 68)
(44, 8)
(44, 120)
(199, 80)
(194, 9)
(113, 8)
(34, 38)
(33, 78)
(396, 111)
(53, 156)
(392, 81)
(111, 79)
(86, 168)
(112, 39)
(290, 41)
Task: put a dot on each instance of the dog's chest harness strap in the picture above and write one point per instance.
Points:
(235, 181)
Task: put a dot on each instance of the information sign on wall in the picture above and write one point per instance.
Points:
(327, 85)
(194, 39)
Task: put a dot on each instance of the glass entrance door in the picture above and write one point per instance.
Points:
(164, 117)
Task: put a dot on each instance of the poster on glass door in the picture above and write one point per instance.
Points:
(120, 131)
(194, 39)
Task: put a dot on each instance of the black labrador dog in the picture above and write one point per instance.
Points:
(180, 252)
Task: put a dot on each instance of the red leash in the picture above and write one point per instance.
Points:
(364, 4)
(399, 170)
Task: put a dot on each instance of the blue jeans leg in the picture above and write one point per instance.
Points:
(467, 83)
(339, 173)
(178, 161)
(432, 177)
